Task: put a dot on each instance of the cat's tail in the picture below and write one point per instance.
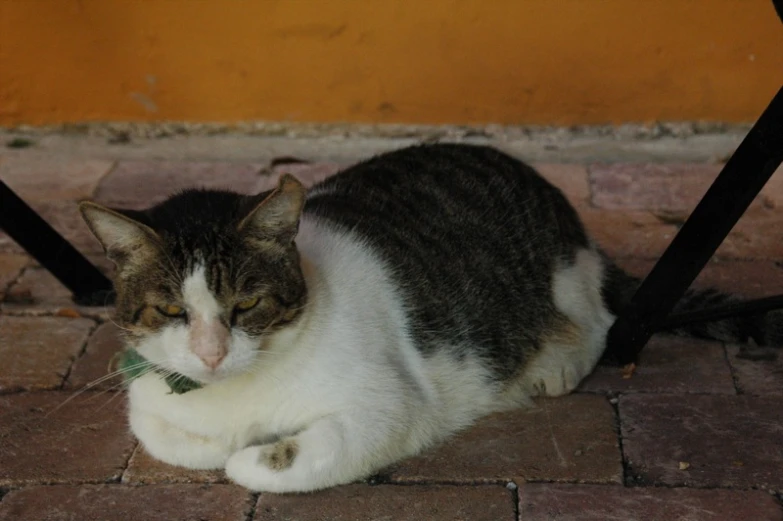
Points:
(765, 329)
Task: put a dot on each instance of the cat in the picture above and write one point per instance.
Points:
(337, 330)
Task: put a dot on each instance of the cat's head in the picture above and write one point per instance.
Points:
(205, 277)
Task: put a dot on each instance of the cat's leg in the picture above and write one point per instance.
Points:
(173, 445)
(331, 451)
(157, 417)
(557, 369)
(572, 346)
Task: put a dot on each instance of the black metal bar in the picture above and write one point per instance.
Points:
(88, 285)
(741, 179)
(746, 308)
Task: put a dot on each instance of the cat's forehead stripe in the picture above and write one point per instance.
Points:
(197, 295)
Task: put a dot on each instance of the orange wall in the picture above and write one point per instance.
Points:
(414, 61)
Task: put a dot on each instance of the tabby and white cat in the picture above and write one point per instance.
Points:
(337, 330)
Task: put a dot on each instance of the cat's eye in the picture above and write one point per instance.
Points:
(171, 311)
(248, 304)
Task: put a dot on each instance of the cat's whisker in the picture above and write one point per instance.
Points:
(114, 322)
(111, 389)
(118, 386)
(107, 402)
(118, 372)
(125, 369)
(78, 393)
(109, 315)
(150, 366)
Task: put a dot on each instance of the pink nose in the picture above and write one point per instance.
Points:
(212, 361)
(209, 341)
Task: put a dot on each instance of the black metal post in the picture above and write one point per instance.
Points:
(88, 285)
(740, 181)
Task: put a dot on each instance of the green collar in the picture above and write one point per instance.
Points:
(132, 365)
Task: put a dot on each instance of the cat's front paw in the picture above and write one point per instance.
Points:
(167, 443)
(267, 468)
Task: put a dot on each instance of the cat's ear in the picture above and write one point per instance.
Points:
(123, 238)
(277, 216)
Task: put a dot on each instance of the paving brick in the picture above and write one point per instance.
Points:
(53, 179)
(140, 184)
(628, 234)
(37, 351)
(64, 217)
(307, 173)
(386, 502)
(772, 193)
(93, 365)
(675, 187)
(669, 364)
(758, 370)
(724, 441)
(749, 279)
(671, 191)
(570, 178)
(38, 292)
(565, 439)
(121, 503)
(44, 439)
(551, 502)
(757, 235)
(11, 265)
(144, 469)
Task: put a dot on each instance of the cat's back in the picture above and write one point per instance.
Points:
(441, 186)
(470, 235)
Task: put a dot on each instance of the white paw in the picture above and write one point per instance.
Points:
(174, 446)
(557, 383)
(244, 467)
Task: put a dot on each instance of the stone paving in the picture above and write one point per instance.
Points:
(696, 434)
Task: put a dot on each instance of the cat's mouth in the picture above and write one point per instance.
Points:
(207, 376)
(234, 365)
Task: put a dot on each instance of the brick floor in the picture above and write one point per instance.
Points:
(671, 191)
(47, 439)
(144, 469)
(687, 437)
(121, 503)
(93, 365)
(571, 179)
(674, 187)
(52, 186)
(307, 173)
(749, 279)
(38, 351)
(656, 187)
(53, 179)
(569, 439)
(64, 217)
(385, 502)
(757, 235)
(703, 440)
(758, 371)
(37, 292)
(11, 266)
(139, 184)
(670, 364)
(544, 502)
(622, 234)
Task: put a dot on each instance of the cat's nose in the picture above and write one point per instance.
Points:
(209, 341)
(212, 360)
